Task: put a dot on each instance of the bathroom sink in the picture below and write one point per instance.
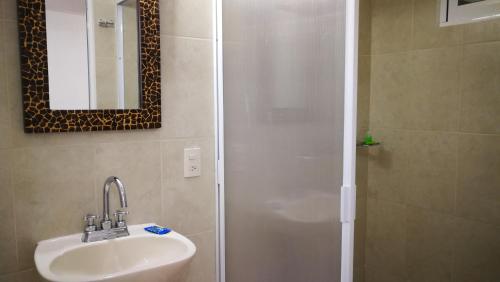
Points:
(142, 256)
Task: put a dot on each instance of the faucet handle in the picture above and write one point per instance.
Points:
(120, 218)
(90, 220)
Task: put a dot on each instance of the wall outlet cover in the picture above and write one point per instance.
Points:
(192, 162)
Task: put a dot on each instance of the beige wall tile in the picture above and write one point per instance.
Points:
(53, 189)
(5, 123)
(434, 99)
(374, 274)
(360, 233)
(429, 248)
(478, 193)
(365, 27)
(29, 275)
(187, 87)
(187, 18)
(3, 38)
(417, 90)
(386, 238)
(121, 136)
(138, 165)
(426, 30)
(362, 159)
(8, 10)
(482, 31)
(57, 178)
(8, 251)
(11, 44)
(391, 79)
(386, 167)
(359, 274)
(362, 172)
(363, 124)
(6, 32)
(203, 265)
(4, 102)
(413, 167)
(391, 25)
(479, 86)
(188, 203)
(431, 171)
(4, 105)
(435, 269)
(364, 91)
(431, 88)
(477, 252)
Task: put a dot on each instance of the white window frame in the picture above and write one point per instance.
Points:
(120, 64)
(453, 14)
(91, 54)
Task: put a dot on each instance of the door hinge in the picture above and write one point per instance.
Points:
(219, 172)
(348, 204)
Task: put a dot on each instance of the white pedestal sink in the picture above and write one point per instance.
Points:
(142, 256)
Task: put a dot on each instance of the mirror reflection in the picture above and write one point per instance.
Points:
(466, 2)
(93, 54)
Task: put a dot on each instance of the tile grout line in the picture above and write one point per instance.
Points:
(369, 57)
(94, 175)
(186, 37)
(85, 142)
(412, 31)
(457, 156)
(412, 71)
(13, 198)
(200, 233)
(438, 131)
(6, 75)
(452, 215)
(450, 46)
(162, 193)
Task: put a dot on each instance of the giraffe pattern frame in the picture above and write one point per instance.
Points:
(39, 118)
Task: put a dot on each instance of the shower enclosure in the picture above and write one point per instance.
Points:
(286, 141)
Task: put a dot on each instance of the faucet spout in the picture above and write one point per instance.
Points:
(108, 229)
(121, 191)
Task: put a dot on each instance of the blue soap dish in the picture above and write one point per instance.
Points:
(157, 230)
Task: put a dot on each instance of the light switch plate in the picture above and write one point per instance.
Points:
(192, 162)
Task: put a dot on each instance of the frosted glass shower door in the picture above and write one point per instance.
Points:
(283, 78)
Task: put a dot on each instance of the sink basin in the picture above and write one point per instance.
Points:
(142, 256)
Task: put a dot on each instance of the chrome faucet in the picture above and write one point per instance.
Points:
(106, 222)
(104, 230)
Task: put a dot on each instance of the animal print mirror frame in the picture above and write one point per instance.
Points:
(39, 118)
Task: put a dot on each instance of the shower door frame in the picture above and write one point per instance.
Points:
(348, 189)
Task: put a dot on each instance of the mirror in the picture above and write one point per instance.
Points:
(466, 2)
(90, 65)
(93, 54)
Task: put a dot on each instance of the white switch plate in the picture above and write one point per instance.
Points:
(192, 162)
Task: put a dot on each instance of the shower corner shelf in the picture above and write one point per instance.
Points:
(363, 145)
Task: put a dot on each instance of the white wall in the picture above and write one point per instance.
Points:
(67, 54)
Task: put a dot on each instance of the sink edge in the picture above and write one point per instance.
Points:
(48, 250)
